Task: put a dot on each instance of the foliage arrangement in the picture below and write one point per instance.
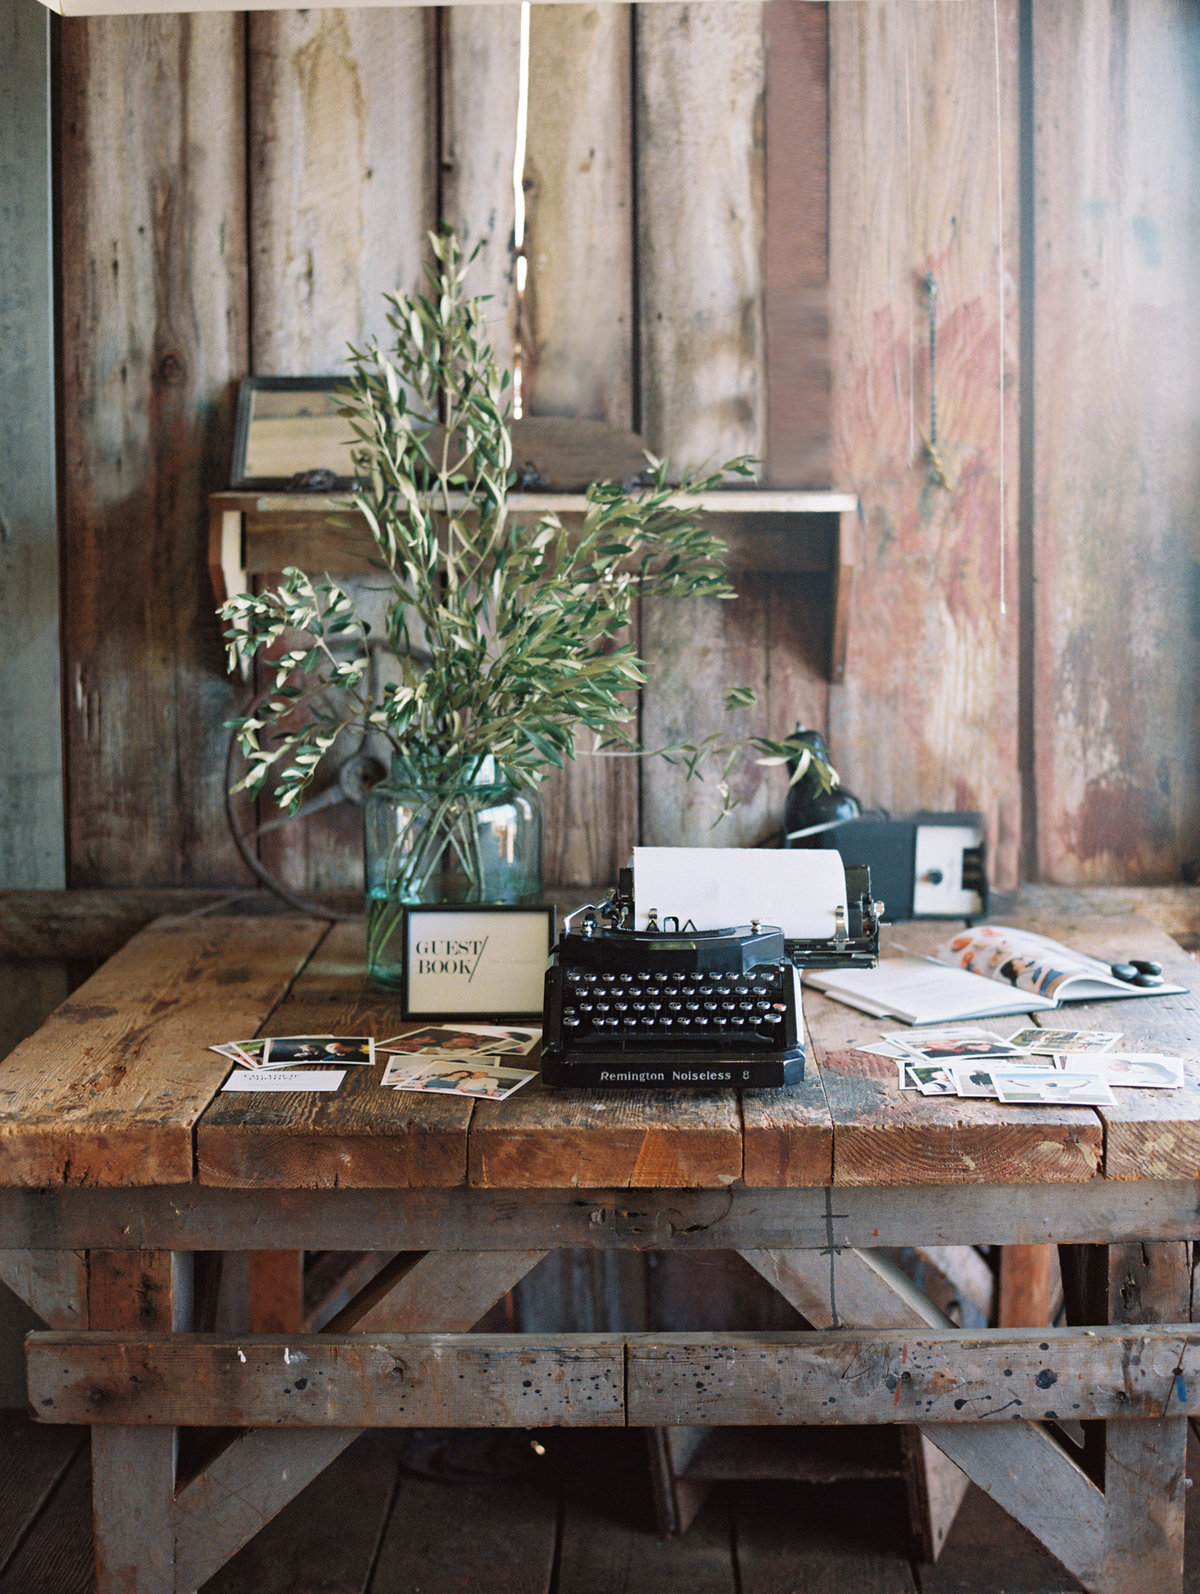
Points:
(508, 638)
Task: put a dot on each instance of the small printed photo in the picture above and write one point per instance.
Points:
(486, 1081)
(285, 1051)
(248, 1053)
(1142, 1070)
(1057, 1042)
(882, 1049)
(1052, 1087)
(973, 1079)
(968, 1044)
(931, 1079)
(465, 1039)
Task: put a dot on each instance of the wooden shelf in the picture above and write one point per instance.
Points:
(789, 531)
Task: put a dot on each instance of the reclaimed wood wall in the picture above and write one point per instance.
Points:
(733, 212)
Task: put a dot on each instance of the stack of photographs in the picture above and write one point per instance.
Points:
(1031, 1067)
(460, 1060)
(295, 1051)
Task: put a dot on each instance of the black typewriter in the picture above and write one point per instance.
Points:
(674, 1006)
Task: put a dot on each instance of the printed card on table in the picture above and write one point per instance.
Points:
(285, 1079)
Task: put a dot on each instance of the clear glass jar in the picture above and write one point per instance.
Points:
(472, 841)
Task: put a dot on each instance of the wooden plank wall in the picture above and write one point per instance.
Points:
(1116, 467)
(32, 851)
(732, 210)
(923, 167)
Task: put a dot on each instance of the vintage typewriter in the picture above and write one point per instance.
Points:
(671, 1005)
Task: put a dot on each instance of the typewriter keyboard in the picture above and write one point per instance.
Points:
(708, 1012)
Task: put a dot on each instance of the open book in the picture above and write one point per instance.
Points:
(979, 973)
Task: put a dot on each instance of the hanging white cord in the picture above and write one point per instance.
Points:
(908, 208)
(522, 264)
(1000, 281)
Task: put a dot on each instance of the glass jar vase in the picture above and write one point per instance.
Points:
(466, 841)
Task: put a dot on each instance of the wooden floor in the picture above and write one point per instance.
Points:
(438, 1514)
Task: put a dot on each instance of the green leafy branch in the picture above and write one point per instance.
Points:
(508, 639)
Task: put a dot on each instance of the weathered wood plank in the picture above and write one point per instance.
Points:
(570, 1139)
(409, 1380)
(600, 1555)
(440, 1288)
(579, 248)
(917, 144)
(1117, 771)
(108, 1090)
(276, 1291)
(700, 179)
(54, 1284)
(41, 926)
(342, 180)
(824, 1544)
(795, 245)
(343, 190)
(133, 1470)
(31, 790)
(29, 993)
(882, 1135)
(1028, 1286)
(360, 1136)
(480, 56)
(899, 1375)
(908, 1375)
(153, 336)
(463, 1219)
(256, 1476)
(33, 1460)
(579, 216)
(327, 1539)
(1145, 1462)
(788, 1134)
(501, 1538)
(56, 1554)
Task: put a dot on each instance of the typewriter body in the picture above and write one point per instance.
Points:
(671, 1005)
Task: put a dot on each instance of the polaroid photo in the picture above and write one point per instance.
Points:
(1141, 1070)
(931, 1079)
(962, 1045)
(1058, 1042)
(973, 1079)
(471, 1040)
(248, 1053)
(456, 1077)
(286, 1051)
(1051, 1087)
(883, 1049)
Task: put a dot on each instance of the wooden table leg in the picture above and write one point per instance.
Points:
(1145, 1462)
(276, 1290)
(133, 1469)
(1028, 1286)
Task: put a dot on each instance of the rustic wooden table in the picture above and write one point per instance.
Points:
(120, 1163)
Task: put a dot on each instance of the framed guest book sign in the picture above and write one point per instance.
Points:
(479, 961)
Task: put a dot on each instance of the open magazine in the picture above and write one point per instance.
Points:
(1025, 973)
